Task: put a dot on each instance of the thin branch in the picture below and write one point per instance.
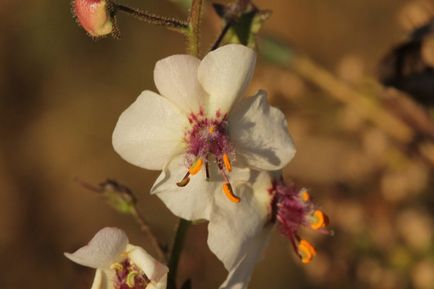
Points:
(171, 23)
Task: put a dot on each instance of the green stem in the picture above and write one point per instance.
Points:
(194, 20)
(175, 254)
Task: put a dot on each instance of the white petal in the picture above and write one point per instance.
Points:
(104, 249)
(103, 279)
(225, 73)
(176, 79)
(162, 284)
(153, 269)
(234, 225)
(192, 202)
(150, 131)
(260, 133)
(241, 273)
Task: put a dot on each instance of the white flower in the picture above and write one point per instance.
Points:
(201, 120)
(238, 234)
(119, 264)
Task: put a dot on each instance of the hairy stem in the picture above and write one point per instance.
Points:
(175, 254)
(170, 23)
(146, 229)
(194, 21)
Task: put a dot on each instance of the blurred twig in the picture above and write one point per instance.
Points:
(122, 199)
(368, 106)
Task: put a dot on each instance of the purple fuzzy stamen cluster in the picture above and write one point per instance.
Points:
(121, 274)
(207, 136)
(288, 209)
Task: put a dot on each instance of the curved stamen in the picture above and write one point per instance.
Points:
(305, 196)
(184, 180)
(195, 167)
(319, 220)
(227, 163)
(306, 251)
(227, 189)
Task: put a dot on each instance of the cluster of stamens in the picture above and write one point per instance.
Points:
(208, 140)
(129, 276)
(292, 209)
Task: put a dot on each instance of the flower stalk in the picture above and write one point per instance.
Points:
(175, 254)
(170, 23)
(194, 22)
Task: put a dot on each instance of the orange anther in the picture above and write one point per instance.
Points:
(305, 196)
(227, 189)
(319, 220)
(211, 129)
(195, 167)
(227, 162)
(306, 251)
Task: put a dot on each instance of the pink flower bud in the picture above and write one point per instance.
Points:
(93, 16)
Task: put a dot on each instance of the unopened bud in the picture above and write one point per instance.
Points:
(94, 16)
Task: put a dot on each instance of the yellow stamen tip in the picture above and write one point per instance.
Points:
(319, 220)
(306, 251)
(227, 162)
(211, 129)
(305, 196)
(116, 266)
(195, 167)
(131, 278)
(227, 189)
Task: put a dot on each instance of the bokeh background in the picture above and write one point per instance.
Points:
(61, 94)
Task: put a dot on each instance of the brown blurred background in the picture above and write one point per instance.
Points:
(61, 94)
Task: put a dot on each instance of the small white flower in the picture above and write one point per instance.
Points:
(119, 264)
(201, 120)
(238, 234)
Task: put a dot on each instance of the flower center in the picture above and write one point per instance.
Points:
(292, 209)
(206, 138)
(129, 276)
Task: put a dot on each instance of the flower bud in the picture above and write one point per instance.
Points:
(94, 16)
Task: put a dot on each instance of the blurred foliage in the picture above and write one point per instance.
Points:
(61, 94)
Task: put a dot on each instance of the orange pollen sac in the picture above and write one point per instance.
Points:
(227, 163)
(306, 251)
(227, 189)
(211, 129)
(319, 220)
(305, 196)
(195, 167)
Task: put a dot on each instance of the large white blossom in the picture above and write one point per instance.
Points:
(199, 125)
(119, 264)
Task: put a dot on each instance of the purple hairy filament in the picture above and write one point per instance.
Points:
(209, 137)
(293, 209)
(129, 276)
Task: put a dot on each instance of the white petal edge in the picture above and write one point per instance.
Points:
(225, 73)
(104, 279)
(104, 249)
(192, 202)
(153, 269)
(233, 226)
(176, 79)
(260, 133)
(240, 274)
(150, 131)
(162, 284)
